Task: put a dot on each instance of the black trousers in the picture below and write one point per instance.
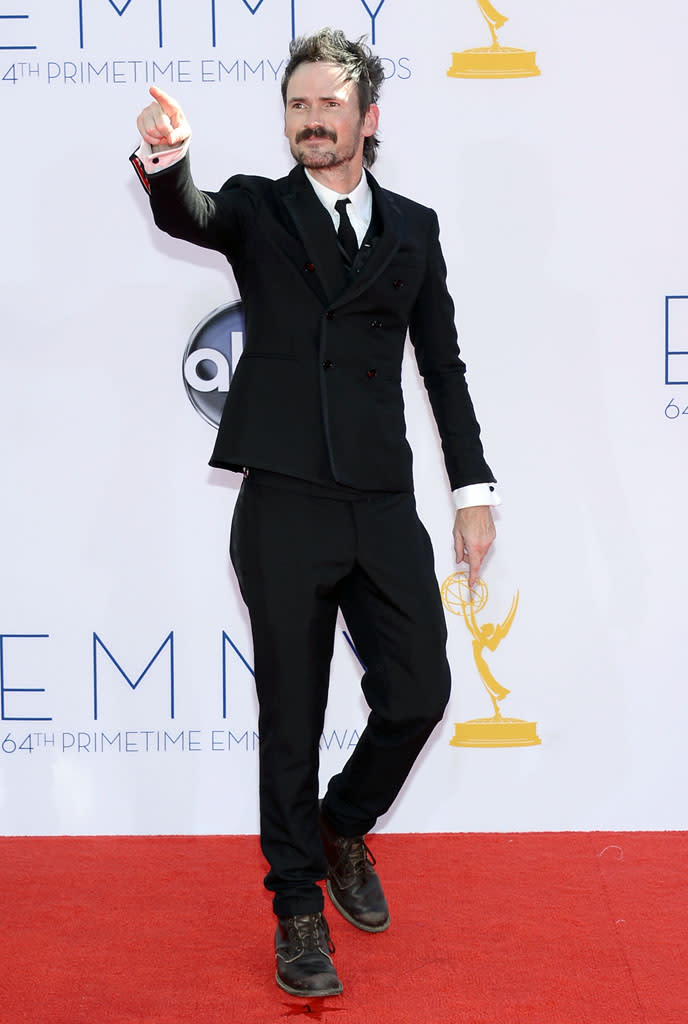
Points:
(299, 557)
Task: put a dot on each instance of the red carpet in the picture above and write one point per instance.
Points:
(565, 928)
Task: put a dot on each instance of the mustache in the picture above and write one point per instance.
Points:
(316, 133)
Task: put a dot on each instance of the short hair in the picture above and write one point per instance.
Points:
(359, 63)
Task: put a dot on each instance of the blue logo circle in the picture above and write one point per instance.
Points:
(210, 359)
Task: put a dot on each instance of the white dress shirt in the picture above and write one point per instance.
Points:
(360, 209)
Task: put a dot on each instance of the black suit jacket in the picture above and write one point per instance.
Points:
(317, 391)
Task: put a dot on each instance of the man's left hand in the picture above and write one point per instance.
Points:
(474, 532)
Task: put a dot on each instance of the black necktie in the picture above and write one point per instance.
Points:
(346, 233)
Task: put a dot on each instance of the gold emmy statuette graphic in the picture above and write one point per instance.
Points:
(493, 61)
(496, 731)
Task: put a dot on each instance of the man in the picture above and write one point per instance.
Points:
(333, 270)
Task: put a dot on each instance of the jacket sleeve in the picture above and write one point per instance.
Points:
(214, 220)
(433, 335)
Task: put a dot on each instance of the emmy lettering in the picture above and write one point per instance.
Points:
(493, 61)
(496, 731)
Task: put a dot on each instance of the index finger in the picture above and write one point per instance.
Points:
(474, 560)
(168, 103)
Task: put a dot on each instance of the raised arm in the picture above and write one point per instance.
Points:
(214, 220)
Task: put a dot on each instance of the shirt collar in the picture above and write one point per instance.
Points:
(361, 197)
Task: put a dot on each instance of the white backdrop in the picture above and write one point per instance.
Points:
(561, 200)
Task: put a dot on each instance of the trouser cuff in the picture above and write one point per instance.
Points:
(298, 901)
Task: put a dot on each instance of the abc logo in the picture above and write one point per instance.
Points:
(210, 360)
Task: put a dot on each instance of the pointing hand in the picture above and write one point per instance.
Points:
(162, 123)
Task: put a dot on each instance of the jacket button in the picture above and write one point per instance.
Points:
(328, 364)
(376, 323)
(398, 283)
(371, 373)
(329, 315)
(309, 267)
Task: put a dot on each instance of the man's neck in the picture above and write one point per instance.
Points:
(343, 179)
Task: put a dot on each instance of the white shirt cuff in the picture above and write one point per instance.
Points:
(162, 158)
(476, 494)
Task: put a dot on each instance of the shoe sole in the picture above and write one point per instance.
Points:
(352, 920)
(309, 995)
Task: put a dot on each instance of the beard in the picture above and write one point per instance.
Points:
(315, 158)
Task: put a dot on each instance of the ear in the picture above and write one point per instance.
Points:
(371, 120)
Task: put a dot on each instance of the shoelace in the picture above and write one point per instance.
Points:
(355, 855)
(304, 929)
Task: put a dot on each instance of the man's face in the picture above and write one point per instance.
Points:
(322, 119)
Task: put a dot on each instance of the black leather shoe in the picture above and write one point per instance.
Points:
(304, 963)
(352, 881)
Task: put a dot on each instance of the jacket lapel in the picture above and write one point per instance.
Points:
(316, 231)
(314, 225)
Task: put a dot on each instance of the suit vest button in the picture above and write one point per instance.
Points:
(309, 267)
(328, 364)
(372, 373)
(329, 315)
(398, 283)
(376, 323)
